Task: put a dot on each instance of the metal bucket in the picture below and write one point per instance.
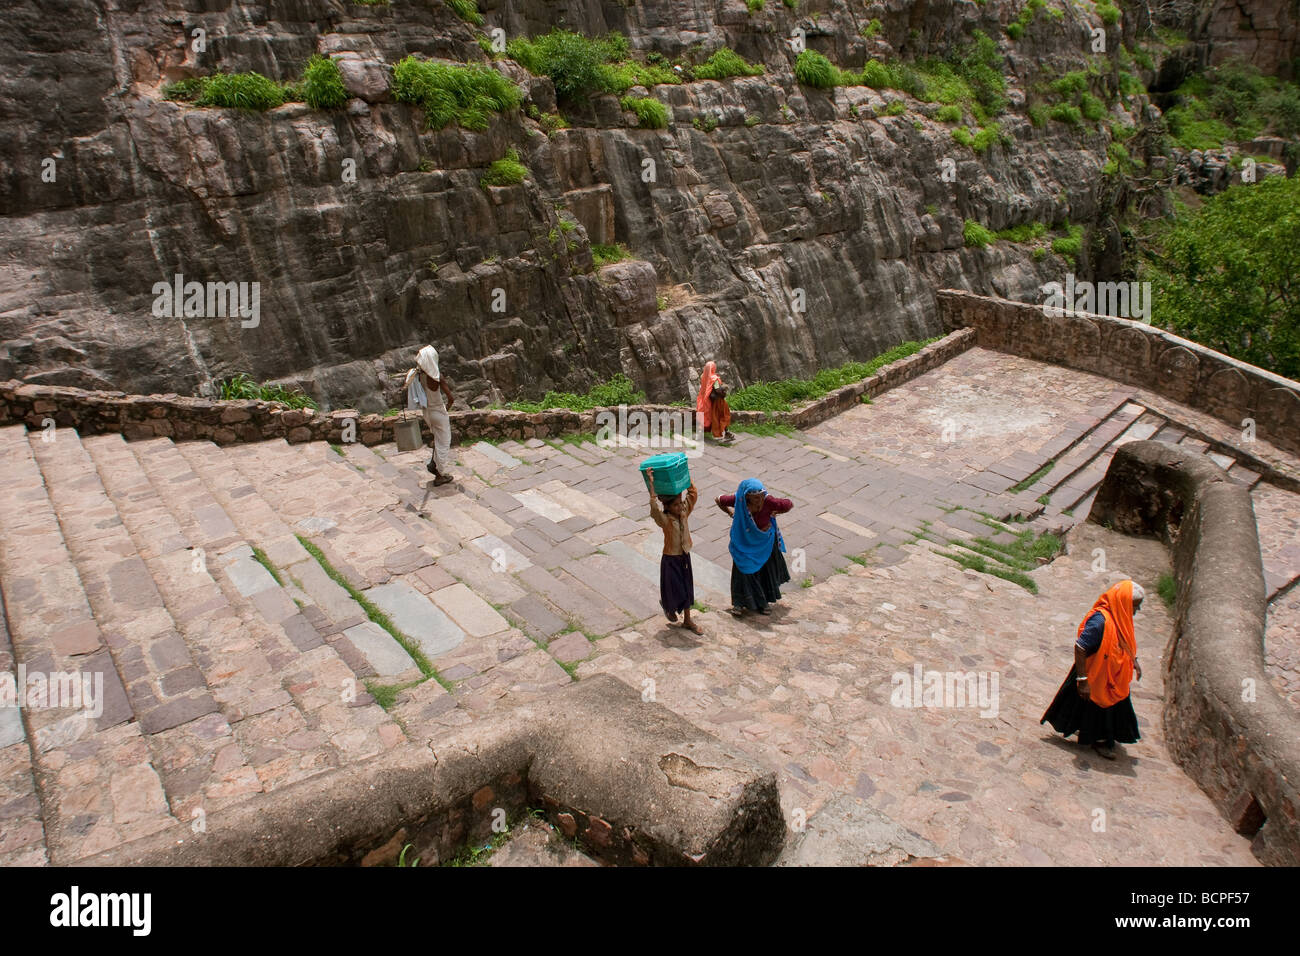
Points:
(407, 433)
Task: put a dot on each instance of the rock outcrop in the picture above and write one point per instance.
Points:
(805, 229)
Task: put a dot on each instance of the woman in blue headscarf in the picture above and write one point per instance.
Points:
(757, 570)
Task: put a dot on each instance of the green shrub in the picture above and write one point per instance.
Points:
(1071, 84)
(1026, 232)
(184, 91)
(877, 76)
(1066, 113)
(243, 386)
(245, 91)
(1069, 245)
(620, 77)
(896, 108)
(619, 390)
(754, 5)
(603, 255)
(986, 137)
(450, 93)
(650, 113)
(1015, 29)
(976, 235)
(507, 171)
(1109, 14)
(949, 114)
(724, 63)
(778, 396)
(963, 136)
(1038, 115)
(872, 29)
(322, 84)
(792, 4)
(467, 10)
(1091, 107)
(577, 65)
(813, 69)
(1224, 275)
(1283, 105)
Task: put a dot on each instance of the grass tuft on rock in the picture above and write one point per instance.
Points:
(451, 93)
(322, 84)
(506, 171)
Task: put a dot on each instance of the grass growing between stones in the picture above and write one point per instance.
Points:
(1167, 588)
(376, 615)
(1009, 560)
(619, 390)
(260, 557)
(385, 695)
(779, 396)
(1029, 482)
(242, 386)
(763, 429)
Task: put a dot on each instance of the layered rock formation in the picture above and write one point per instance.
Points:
(369, 235)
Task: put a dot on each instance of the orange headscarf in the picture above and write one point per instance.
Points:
(1110, 668)
(703, 402)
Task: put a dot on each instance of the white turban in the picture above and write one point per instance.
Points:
(1139, 595)
(427, 360)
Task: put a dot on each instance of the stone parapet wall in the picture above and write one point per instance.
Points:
(632, 782)
(1135, 354)
(183, 418)
(1225, 723)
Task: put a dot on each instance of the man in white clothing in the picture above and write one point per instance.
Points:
(435, 413)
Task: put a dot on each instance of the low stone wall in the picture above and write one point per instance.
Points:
(633, 782)
(1225, 723)
(1136, 354)
(228, 422)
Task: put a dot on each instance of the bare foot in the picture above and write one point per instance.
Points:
(672, 616)
(693, 626)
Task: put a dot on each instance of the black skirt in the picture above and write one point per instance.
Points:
(1070, 714)
(755, 591)
(676, 583)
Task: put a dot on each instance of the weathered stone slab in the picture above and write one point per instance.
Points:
(417, 617)
(245, 572)
(474, 615)
(542, 504)
(496, 454)
(385, 655)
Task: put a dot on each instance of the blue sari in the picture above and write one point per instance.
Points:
(750, 545)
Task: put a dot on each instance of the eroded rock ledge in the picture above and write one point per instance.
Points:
(1226, 724)
(634, 782)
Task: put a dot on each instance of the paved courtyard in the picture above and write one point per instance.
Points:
(231, 599)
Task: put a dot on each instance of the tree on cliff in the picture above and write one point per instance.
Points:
(1228, 274)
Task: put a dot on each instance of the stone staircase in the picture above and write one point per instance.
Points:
(261, 613)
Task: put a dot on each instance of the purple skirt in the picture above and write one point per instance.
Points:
(676, 584)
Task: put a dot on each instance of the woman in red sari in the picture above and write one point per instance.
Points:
(1094, 700)
(711, 404)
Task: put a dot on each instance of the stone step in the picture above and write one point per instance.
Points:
(357, 521)
(279, 705)
(324, 604)
(325, 607)
(97, 787)
(161, 681)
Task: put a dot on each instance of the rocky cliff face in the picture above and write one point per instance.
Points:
(1262, 32)
(797, 197)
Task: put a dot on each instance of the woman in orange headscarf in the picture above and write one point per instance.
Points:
(1094, 700)
(711, 404)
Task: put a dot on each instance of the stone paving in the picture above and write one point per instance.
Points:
(251, 608)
